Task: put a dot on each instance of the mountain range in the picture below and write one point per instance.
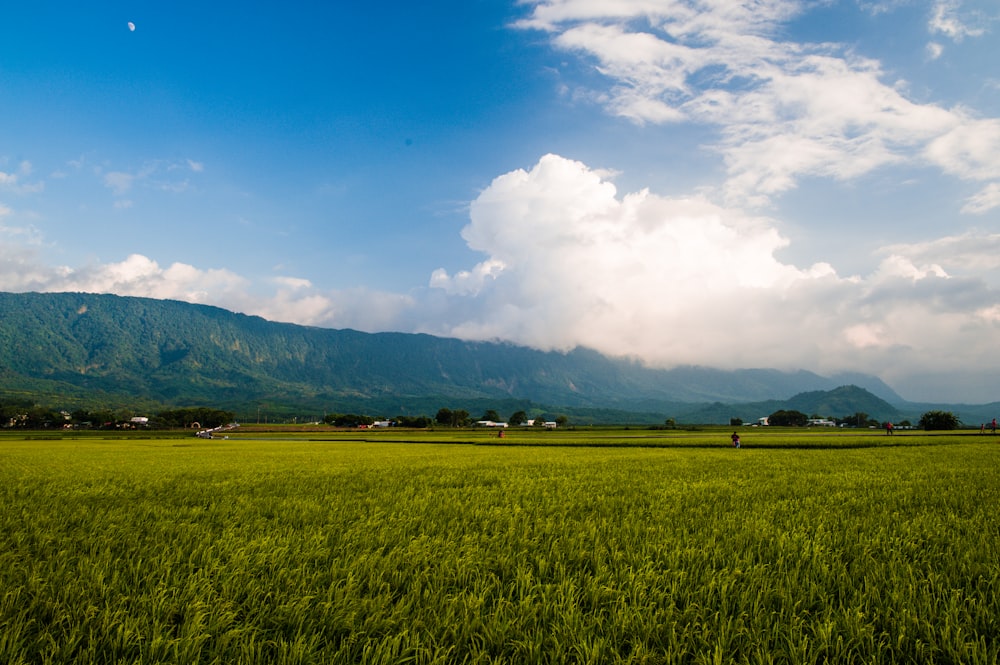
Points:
(93, 349)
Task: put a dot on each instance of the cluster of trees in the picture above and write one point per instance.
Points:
(450, 418)
(445, 417)
(28, 415)
(932, 420)
(793, 418)
(461, 418)
(24, 414)
(944, 420)
(413, 421)
(347, 420)
(356, 420)
(203, 416)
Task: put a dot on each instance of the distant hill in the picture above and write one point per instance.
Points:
(836, 403)
(96, 349)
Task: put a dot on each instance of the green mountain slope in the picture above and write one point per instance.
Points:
(88, 346)
(843, 401)
(837, 403)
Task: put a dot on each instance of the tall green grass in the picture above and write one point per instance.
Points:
(244, 551)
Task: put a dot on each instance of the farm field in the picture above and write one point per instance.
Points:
(604, 546)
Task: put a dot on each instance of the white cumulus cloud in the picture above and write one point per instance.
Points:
(284, 298)
(685, 281)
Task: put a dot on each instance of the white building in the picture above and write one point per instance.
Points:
(549, 424)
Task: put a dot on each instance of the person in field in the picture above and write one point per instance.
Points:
(888, 429)
(736, 440)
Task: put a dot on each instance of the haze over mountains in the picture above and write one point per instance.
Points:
(111, 350)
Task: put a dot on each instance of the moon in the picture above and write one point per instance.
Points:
(131, 26)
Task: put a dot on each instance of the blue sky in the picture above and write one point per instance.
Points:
(776, 183)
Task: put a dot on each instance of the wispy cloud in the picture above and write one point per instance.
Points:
(155, 174)
(948, 19)
(881, 7)
(971, 253)
(983, 201)
(119, 182)
(15, 181)
(15, 236)
(783, 110)
(970, 149)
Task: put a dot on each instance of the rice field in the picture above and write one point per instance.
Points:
(563, 547)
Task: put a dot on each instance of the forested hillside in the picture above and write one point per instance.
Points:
(837, 403)
(87, 346)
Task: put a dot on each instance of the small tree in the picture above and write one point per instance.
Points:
(943, 420)
(459, 418)
(517, 418)
(414, 421)
(443, 417)
(491, 415)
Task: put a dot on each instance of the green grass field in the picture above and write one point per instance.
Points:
(597, 546)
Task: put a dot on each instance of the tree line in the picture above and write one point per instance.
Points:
(445, 417)
(24, 414)
(931, 420)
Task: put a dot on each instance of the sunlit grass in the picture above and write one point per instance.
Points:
(356, 550)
